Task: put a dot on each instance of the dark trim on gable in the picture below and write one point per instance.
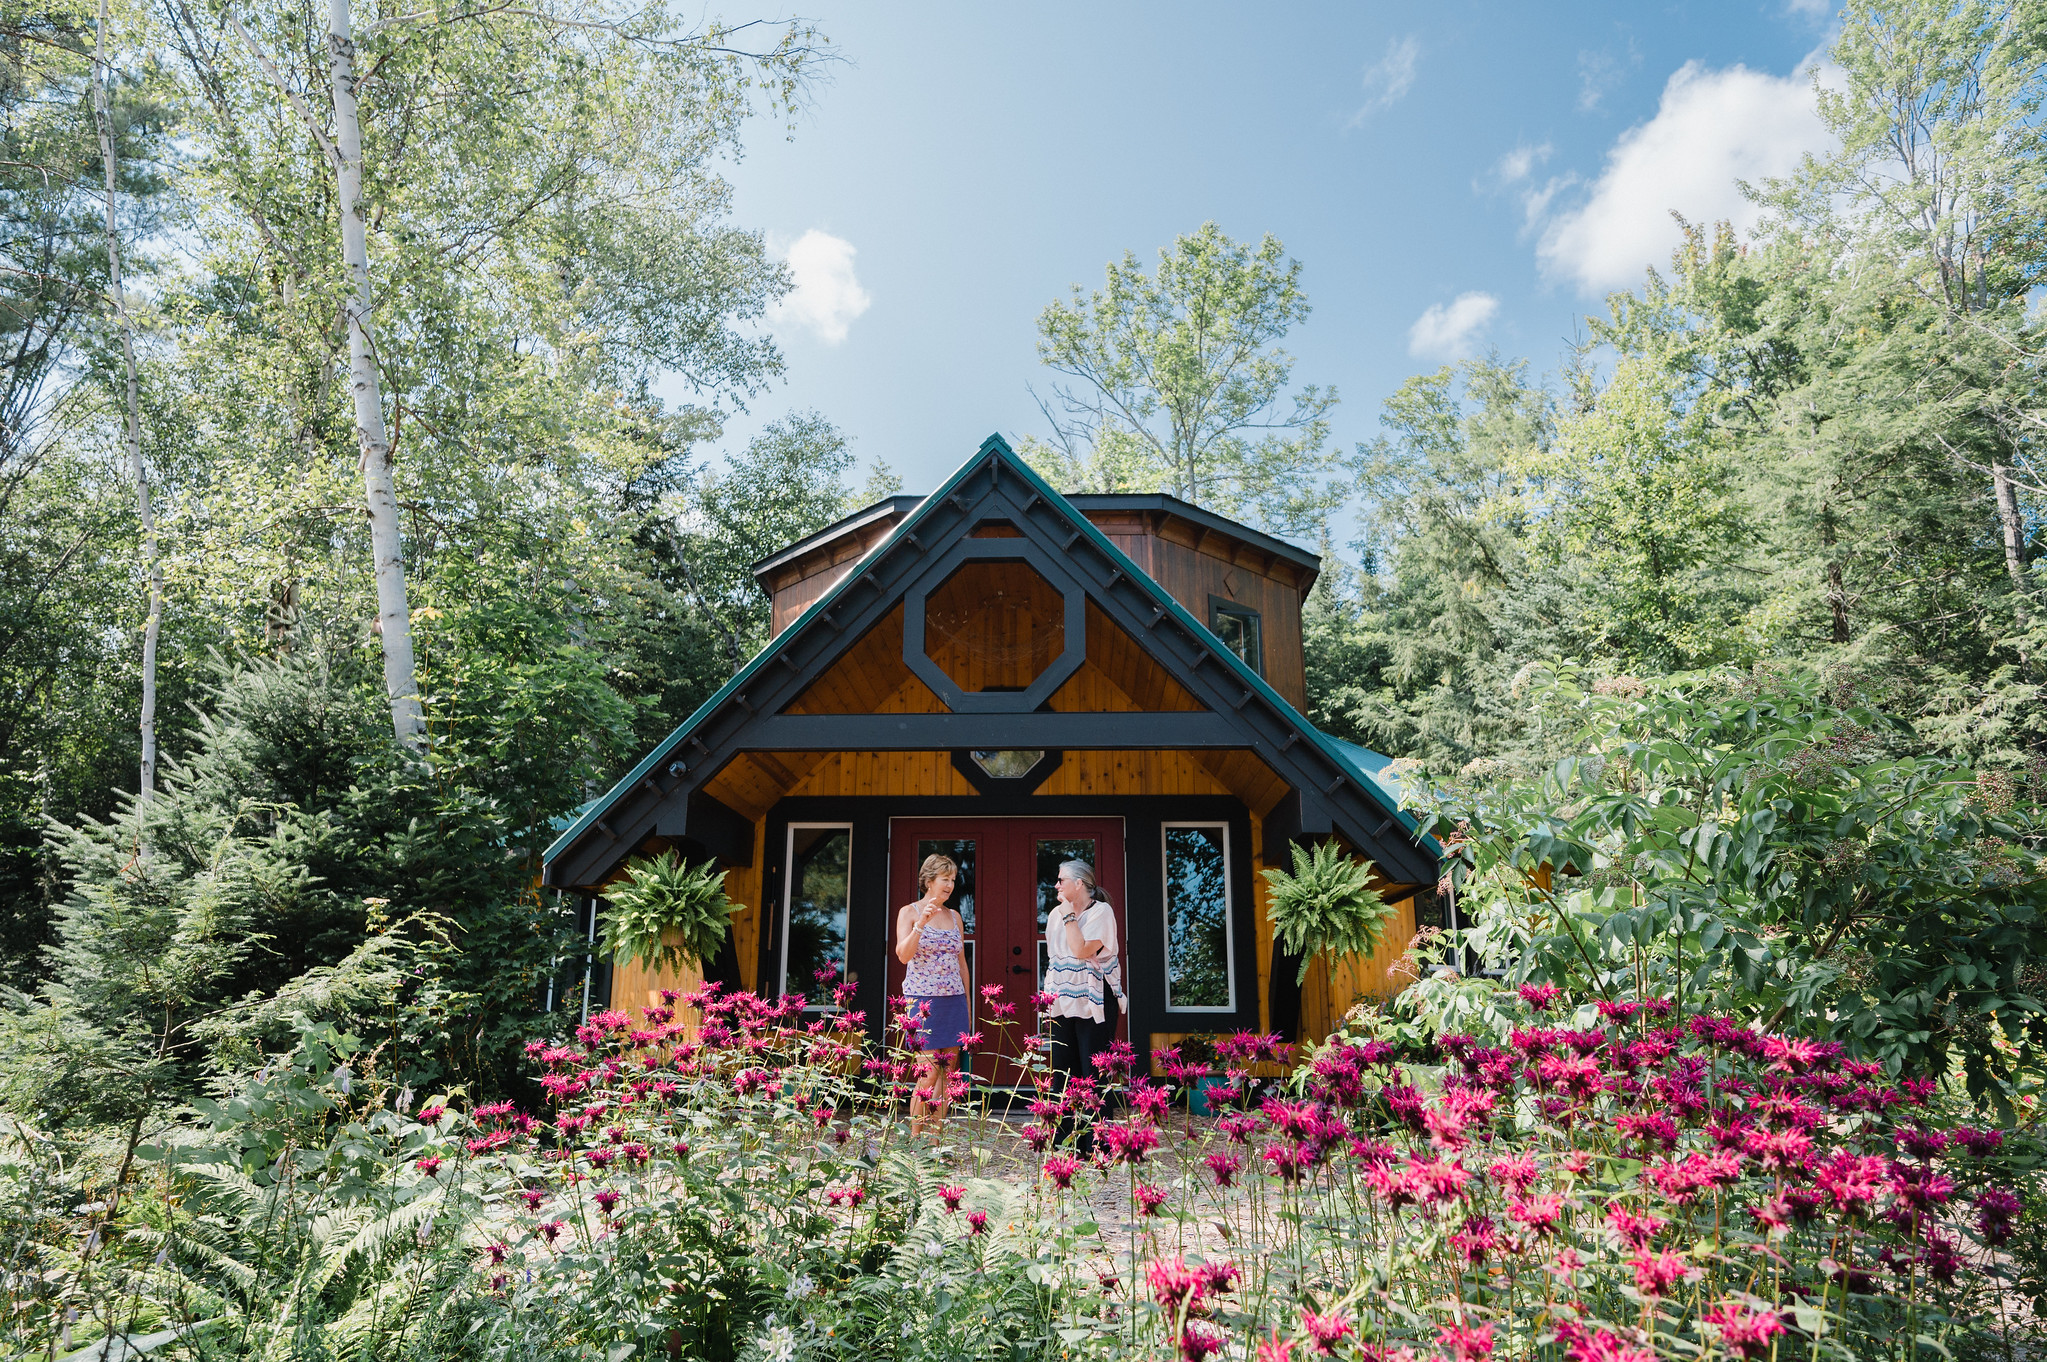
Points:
(1159, 503)
(1074, 555)
(887, 508)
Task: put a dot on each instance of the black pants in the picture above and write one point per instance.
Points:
(1075, 1043)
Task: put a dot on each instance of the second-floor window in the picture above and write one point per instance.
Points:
(1237, 626)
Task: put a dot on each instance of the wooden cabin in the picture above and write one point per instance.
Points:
(1014, 678)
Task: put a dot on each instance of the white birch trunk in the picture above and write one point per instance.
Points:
(2014, 526)
(394, 618)
(145, 513)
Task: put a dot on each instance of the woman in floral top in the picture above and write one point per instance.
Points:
(930, 940)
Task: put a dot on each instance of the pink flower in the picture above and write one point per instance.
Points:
(951, 1195)
(429, 1115)
(1540, 996)
(1539, 1213)
(1290, 1162)
(1656, 1273)
(1174, 1285)
(1852, 1181)
(1634, 1230)
(606, 1200)
(533, 1196)
(1466, 1345)
(1127, 1143)
(1440, 1179)
(1606, 1347)
(1150, 1198)
(1516, 1172)
(550, 1230)
(1325, 1331)
(1219, 1276)
(1224, 1166)
(977, 1222)
(1996, 1209)
(1476, 1239)
(1276, 1349)
(1199, 1339)
(1061, 1168)
(1743, 1330)
(428, 1166)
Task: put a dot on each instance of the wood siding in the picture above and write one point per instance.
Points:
(799, 585)
(1193, 564)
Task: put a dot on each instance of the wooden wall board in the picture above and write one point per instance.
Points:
(870, 678)
(800, 584)
(1332, 989)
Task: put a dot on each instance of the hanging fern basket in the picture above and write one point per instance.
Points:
(667, 914)
(1326, 906)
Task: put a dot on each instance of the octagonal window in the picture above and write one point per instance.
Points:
(994, 626)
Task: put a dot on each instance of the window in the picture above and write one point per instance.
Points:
(1008, 763)
(814, 912)
(1200, 953)
(1237, 626)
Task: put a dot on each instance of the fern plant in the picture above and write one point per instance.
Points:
(667, 914)
(1326, 904)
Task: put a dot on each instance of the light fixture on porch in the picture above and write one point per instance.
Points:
(1009, 763)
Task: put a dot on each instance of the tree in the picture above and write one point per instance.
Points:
(1182, 386)
(1764, 844)
(138, 472)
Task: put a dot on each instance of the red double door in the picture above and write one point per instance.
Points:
(1009, 869)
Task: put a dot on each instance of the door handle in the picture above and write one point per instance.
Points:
(1016, 969)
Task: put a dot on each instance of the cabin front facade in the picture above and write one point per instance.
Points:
(1014, 678)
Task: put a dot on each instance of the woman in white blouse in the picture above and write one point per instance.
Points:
(1084, 977)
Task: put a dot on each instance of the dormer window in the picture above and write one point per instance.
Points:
(1238, 627)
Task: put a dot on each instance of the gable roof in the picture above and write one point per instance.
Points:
(1334, 790)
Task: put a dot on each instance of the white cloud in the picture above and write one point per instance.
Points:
(1518, 163)
(1451, 330)
(827, 295)
(1599, 72)
(1711, 129)
(1387, 79)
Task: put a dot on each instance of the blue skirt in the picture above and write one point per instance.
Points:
(949, 1019)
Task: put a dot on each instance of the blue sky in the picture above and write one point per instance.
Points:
(1453, 178)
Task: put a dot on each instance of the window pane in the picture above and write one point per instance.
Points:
(1197, 919)
(818, 877)
(961, 849)
(1238, 629)
(1051, 851)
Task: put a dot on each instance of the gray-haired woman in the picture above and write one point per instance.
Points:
(1084, 976)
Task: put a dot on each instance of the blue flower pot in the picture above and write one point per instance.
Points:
(1197, 1101)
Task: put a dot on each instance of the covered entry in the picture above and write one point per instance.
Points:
(1007, 675)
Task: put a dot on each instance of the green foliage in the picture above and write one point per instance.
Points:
(1184, 386)
(1764, 845)
(666, 913)
(1326, 906)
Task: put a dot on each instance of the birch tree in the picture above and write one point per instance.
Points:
(138, 473)
(344, 155)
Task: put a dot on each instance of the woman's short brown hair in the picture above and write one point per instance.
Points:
(936, 868)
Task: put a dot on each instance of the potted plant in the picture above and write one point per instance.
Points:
(1327, 905)
(667, 914)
